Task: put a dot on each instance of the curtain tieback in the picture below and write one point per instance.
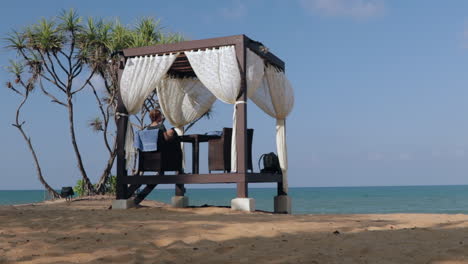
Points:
(240, 102)
(118, 114)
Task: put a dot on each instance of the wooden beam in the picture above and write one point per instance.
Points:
(182, 68)
(261, 51)
(131, 189)
(179, 190)
(255, 46)
(202, 178)
(183, 46)
(142, 195)
(184, 179)
(264, 177)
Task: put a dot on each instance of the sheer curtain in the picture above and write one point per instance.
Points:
(275, 97)
(218, 70)
(139, 79)
(183, 101)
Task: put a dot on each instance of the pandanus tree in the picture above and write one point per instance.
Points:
(23, 88)
(99, 46)
(52, 46)
(66, 55)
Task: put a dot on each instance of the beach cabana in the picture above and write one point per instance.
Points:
(188, 78)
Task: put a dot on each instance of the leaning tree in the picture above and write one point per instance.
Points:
(53, 45)
(23, 88)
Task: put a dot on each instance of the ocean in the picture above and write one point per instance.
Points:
(315, 200)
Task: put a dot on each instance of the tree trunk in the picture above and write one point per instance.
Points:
(31, 148)
(100, 189)
(88, 185)
(36, 163)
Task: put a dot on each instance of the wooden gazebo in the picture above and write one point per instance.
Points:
(128, 184)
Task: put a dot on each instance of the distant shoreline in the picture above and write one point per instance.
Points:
(165, 187)
(448, 199)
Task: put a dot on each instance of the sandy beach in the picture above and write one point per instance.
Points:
(86, 231)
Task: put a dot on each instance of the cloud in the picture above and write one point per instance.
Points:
(235, 11)
(345, 8)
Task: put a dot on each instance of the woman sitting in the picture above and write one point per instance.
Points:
(159, 149)
(147, 140)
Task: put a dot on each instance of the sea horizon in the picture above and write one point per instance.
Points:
(444, 199)
(290, 187)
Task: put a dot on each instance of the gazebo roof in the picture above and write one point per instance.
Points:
(181, 66)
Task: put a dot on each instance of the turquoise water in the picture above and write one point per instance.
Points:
(317, 200)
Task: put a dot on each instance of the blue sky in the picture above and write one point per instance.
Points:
(381, 88)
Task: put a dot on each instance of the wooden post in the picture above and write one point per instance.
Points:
(179, 190)
(241, 116)
(122, 120)
(284, 183)
(280, 189)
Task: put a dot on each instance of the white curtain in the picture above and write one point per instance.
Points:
(254, 72)
(183, 101)
(139, 79)
(218, 70)
(276, 98)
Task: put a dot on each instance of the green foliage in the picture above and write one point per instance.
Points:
(96, 124)
(45, 36)
(79, 188)
(120, 37)
(16, 68)
(111, 185)
(16, 41)
(70, 21)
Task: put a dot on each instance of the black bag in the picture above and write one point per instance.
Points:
(270, 163)
(67, 192)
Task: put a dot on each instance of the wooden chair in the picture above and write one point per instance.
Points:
(219, 151)
(168, 157)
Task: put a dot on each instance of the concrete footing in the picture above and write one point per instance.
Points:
(180, 201)
(123, 204)
(282, 204)
(243, 204)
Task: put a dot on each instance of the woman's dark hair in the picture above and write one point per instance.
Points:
(154, 115)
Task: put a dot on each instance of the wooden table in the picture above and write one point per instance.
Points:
(195, 139)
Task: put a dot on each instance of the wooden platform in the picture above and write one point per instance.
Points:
(202, 178)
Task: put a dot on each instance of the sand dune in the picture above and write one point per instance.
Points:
(85, 231)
